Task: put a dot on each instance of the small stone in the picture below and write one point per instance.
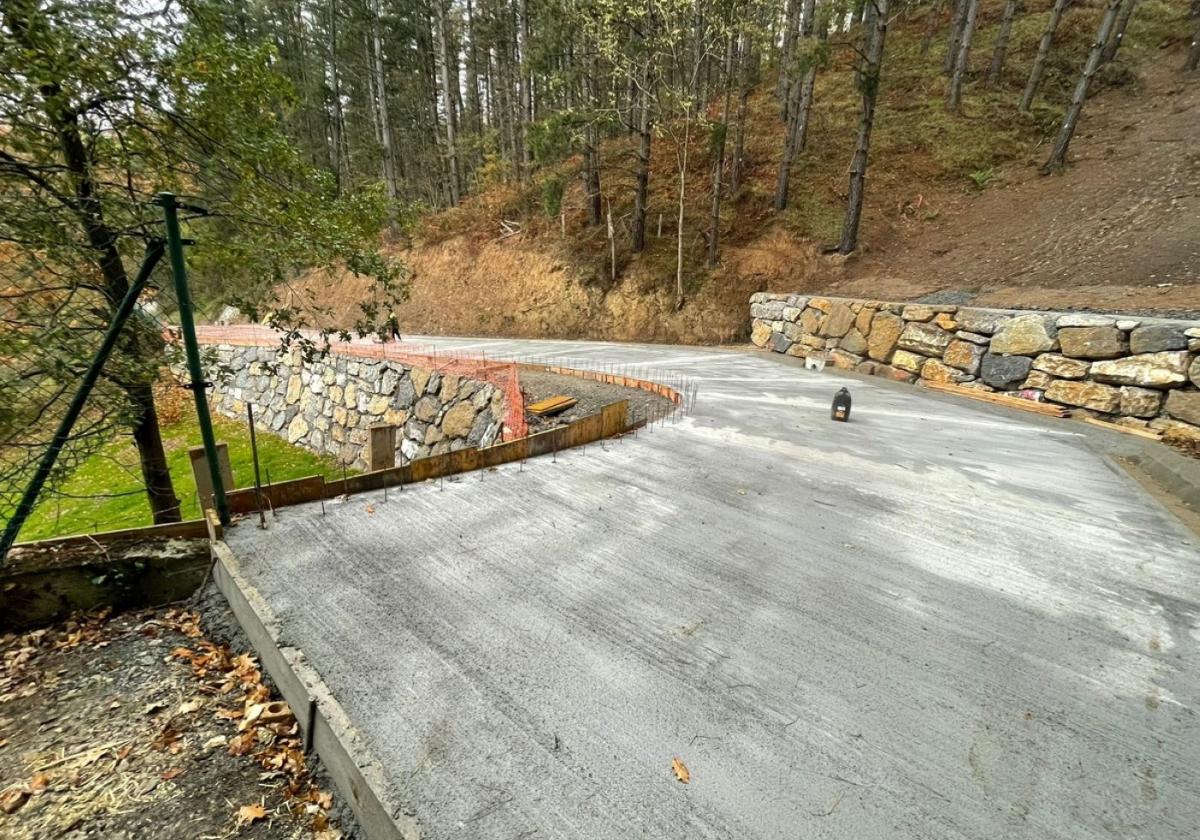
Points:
(964, 355)
(1062, 367)
(1084, 319)
(293, 390)
(395, 417)
(889, 372)
(760, 334)
(420, 376)
(974, 338)
(1037, 379)
(1004, 371)
(1157, 337)
(1024, 335)
(980, 320)
(843, 360)
(779, 342)
(885, 332)
(935, 371)
(917, 312)
(378, 404)
(1194, 372)
(388, 381)
(946, 321)
(1184, 405)
(1150, 370)
(854, 342)
(862, 322)
(350, 395)
(432, 435)
(791, 314)
(911, 362)
(925, 338)
(427, 408)
(1140, 402)
(821, 304)
(297, 429)
(1091, 395)
(868, 367)
(1127, 324)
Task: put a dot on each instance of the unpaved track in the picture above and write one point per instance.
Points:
(936, 621)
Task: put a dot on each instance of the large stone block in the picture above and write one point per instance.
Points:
(1025, 335)
(889, 372)
(1084, 319)
(1194, 372)
(1185, 406)
(1091, 395)
(297, 429)
(838, 321)
(1157, 337)
(853, 342)
(1140, 402)
(1149, 370)
(779, 342)
(885, 332)
(457, 420)
(963, 355)
(925, 338)
(862, 321)
(1062, 367)
(1093, 342)
(1004, 371)
(810, 320)
(427, 408)
(843, 360)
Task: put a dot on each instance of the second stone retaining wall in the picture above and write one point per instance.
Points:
(1141, 372)
(327, 405)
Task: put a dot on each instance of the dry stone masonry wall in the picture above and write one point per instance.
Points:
(1142, 372)
(327, 405)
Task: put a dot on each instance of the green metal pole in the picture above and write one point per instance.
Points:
(187, 326)
(154, 253)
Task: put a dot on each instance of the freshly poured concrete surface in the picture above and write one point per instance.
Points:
(936, 621)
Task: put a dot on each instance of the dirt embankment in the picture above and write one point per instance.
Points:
(1119, 230)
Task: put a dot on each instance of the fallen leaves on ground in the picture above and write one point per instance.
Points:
(248, 814)
(12, 799)
(681, 771)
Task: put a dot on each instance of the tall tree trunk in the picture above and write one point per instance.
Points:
(1039, 61)
(798, 120)
(714, 221)
(1000, 52)
(1058, 157)
(683, 162)
(957, 21)
(641, 198)
(591, 151)
(787, 55)
(385, 128)
(1118, 34)
(748, 62)
(102, 240)
(525, 84)
(931, 23)
(963, 61)
(448, 95)
(858, 166)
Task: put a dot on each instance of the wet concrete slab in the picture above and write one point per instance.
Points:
(939, 620)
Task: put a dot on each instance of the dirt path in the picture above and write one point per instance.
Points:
(1120, 229)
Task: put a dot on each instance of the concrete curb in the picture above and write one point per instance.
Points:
(327, 729)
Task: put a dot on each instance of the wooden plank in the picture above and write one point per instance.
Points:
(551, 405)
(1045, 409)
(1126, 430)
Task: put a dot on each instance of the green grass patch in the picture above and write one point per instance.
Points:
(106, 493)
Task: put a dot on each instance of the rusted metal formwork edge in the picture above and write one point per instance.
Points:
(359, 778)
(190, 529)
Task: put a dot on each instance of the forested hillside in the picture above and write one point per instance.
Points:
(635, 170)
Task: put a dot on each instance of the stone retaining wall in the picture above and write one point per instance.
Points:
(328, 405)
(1142, 372)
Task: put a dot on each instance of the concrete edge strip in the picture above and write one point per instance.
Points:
(358, 776)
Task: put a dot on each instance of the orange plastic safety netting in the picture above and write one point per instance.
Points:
(498, 373)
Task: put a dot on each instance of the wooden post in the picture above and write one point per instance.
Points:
(381, 447)
(200, 471)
